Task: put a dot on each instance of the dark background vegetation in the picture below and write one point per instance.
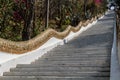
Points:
(118, 19)
(24, 19)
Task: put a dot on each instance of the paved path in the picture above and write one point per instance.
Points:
(87, 57)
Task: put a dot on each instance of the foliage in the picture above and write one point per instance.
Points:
(118, 3)
(24, 19)
(8, 25)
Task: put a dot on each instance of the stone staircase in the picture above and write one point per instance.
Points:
(70, 64)
(87, 57)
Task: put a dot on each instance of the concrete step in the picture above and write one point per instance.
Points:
(65, 58)
(74, 74)
(69, 46)
(76, 56)
(51, 78)
(93, 62)
(72, 61)
(63, 68)
(59, 64)
(80, 51)
(35, 64)
(72, 57)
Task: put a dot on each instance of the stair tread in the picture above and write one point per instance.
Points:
(54, 69)
(95, 73)
(51, 78)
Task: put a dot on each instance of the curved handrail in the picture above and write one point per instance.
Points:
(32, 44)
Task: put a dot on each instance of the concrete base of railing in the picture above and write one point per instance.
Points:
(115, 67)
(118, 51)
(8, 61)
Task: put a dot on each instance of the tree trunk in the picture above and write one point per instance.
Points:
(47, 13)
(29, 22)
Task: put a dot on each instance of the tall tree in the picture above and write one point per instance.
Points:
(118, 3)
(28, 20)
(24, 12)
